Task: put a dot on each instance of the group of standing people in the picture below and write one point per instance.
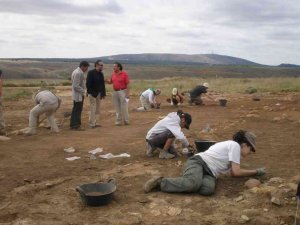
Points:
(95, 89)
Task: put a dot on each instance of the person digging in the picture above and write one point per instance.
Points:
(202, 170)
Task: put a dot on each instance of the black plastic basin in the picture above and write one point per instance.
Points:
(203, 145)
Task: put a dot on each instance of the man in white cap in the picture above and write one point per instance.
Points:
(148, 99)
(176, 97)
(197, 92)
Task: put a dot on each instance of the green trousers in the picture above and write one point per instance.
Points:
(197, 177)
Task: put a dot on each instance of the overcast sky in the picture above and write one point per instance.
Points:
(263, 31)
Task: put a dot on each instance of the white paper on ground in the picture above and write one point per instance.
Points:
(69, 150)
(96, 150)
(110, 155)
(73, 158)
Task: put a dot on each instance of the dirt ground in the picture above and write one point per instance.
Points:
(37, 183)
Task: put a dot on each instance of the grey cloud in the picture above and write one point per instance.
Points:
(256, 12)
(58, 7)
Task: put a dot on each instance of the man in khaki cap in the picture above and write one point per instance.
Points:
(197, 92)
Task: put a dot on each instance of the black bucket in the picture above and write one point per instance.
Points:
(222, 102)
(97, 194)
(203, 145)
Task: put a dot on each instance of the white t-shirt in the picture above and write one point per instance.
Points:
(149, 95)
(172, 123)
(220, 155)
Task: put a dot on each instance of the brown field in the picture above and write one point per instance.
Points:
(37, 183)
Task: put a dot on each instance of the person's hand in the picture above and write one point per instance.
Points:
(261, 171)
(87, 94)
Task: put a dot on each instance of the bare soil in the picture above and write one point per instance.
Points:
(37, 183)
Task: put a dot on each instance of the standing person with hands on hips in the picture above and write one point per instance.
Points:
(95, 86)
(120, 82)
(202, 170)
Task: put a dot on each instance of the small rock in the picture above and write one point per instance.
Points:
(49, 185)
(277, 118)
(155, 212)
(275, 201)
(276, 180)
(174, 211)
(240, 198)
(252, 115)
(251, 183)
(245, 218)
(266, 210)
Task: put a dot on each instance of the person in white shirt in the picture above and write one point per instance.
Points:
(148, 99)
(164, 133)
(202, 170)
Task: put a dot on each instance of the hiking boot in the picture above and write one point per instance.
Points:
(154, 182)
(149, 150)
(165, 155)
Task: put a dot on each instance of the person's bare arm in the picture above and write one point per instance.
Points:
(237, 171)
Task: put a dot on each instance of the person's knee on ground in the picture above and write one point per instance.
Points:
(208, 186)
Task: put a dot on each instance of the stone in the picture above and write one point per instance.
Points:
(276, 180)
(240, 198)
(174, 211)
(251, 183)
(276, 201)
(245, 218)
(155, 212)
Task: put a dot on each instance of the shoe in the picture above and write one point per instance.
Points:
(126, 123)
(154, 182)
(95, 126)
(165, 155)
(77, 129)
(118, 124)
(3, 133)
(149, 150)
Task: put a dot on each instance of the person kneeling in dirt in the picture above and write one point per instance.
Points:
(48, 103)
(164, 133)
(176, 98)
(148, 99)
(196, 93)
(202, 169)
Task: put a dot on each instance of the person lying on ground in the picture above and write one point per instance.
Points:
(202, 170)
(148, 99)
(163, 134)
(46, 103)
(198, 92)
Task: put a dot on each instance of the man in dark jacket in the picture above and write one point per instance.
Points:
(195, 94)
(96, 92)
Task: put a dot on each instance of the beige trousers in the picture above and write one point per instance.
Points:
(38, 110)
(145, 104)
(94, 117)
(121, 107)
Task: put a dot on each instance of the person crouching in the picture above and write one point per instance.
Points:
(48, 103)
(163, 134)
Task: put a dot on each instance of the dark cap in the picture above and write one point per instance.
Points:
(251, 139)
(188, 120)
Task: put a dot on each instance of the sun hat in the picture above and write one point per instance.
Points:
(250, 137)
(205, 84)
(174, 91)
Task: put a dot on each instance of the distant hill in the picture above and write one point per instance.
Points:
(204, 59)
(288, 65)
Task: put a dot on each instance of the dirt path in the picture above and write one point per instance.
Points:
(37, 183)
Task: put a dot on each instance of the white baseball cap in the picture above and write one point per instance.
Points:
(206, 84)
